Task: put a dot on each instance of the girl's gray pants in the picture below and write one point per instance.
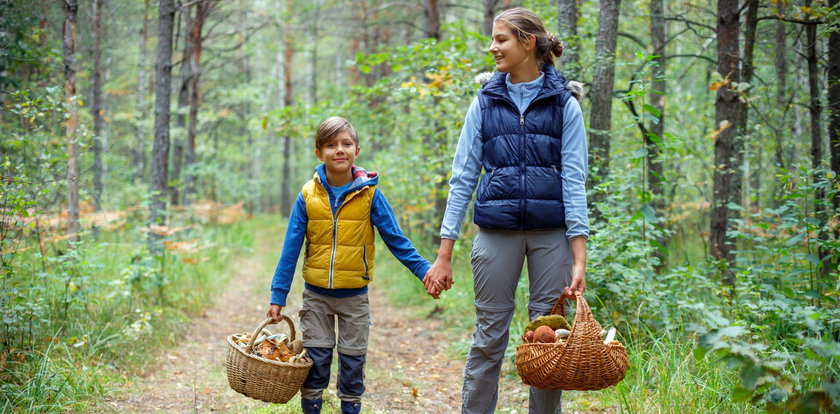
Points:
(497, 260)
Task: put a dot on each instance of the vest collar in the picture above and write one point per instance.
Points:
(361, 178)
(553, 84)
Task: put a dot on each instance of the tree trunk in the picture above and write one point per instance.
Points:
(657, 129)
(781, 82)
(285, 179)
(432, 27)
(201, 13)
(567, 15)
(96, 109)
(315, 37)
(834, 102)
(747, 71)
(602, 90)
(815, 110)
(727, 119)
(163, 91)
(71, 10)
(179, 137)
(140, 103)
(489, 15)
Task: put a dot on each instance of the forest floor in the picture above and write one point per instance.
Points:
(407, 371)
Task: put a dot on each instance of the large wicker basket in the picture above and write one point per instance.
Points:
(582, 363)
(264, 379)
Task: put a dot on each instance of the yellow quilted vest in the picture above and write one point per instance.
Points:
(339, 250)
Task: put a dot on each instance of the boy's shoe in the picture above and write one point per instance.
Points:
(312, 406)
(351, 407)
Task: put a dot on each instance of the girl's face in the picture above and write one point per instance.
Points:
(509, 53)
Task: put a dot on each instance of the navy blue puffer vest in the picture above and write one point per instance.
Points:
(521, 188)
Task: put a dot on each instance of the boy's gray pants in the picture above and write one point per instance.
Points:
(497, 260)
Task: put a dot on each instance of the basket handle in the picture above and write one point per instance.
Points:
(249, 349)
(560, 306)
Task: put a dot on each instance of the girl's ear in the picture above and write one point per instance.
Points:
(531, 43)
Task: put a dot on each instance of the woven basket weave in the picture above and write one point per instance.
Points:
(264, 379)
(582, 363)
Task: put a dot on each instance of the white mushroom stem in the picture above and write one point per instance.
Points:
(610, 335)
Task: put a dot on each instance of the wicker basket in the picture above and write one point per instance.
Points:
(582, 363)
(264, 379)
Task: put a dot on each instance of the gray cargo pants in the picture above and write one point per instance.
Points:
(497, 260)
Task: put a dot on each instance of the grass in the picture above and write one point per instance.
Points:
(77, 324)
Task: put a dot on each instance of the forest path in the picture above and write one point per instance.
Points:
(407, 370)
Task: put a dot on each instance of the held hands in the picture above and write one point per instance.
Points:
(439, 278)
(274, 313)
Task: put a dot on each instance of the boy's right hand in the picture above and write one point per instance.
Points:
(274, 313)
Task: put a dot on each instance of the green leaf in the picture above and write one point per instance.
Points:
(740, 394)
(650, 108)
(751, 376)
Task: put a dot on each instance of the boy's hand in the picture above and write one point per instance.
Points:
(439, 278)
(274, 313)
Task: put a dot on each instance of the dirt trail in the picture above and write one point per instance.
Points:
(404, 375)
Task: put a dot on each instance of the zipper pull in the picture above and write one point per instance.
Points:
(521, 119)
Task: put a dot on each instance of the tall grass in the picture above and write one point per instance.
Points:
(77, 322)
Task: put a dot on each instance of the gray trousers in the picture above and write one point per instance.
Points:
(497, 260)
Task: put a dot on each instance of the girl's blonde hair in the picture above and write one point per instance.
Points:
(525, 23)
(331, 127)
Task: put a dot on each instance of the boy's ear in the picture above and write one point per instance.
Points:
(318, 154)
(358, 149)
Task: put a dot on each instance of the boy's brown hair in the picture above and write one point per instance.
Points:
(331, 127)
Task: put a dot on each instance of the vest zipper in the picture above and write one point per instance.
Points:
(364, 261)
(522, 171)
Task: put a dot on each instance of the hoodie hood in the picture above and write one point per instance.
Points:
(361, 177)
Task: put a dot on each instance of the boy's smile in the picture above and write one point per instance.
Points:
(338, 155)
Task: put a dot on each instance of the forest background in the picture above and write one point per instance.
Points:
(140, 139)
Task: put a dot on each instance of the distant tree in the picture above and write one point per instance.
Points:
(747, 71)
(140, 101)
(96, 108)
(834, 99)
(71, 10)
(179, 137)
(602, 88)
(727, 120)
(203, 9)
(285, 179)
(567, 16)
(163, 92)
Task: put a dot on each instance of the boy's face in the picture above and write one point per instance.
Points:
(339, 153)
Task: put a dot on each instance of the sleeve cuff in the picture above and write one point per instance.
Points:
(278, 297)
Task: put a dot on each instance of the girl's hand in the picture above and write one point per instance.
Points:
(274, 313)
(439, 278)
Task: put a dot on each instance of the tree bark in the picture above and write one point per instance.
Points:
(489, 14)
(655, 178)
(163, 92)
(315, 37)
(285, 180)
(567, 16)
(71, 10)
(781, 82)
(96, 109)
(140, 103)
(432, 27)
(727, 119)
(834, 102)
(179, 137)
(602, 90)
(202, 11)
(747, 71)
(815, 110)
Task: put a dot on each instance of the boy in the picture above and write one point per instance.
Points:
(336, 211)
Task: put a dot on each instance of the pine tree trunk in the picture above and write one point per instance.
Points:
(567, 16)
(285, 179)
(140, 103)
(834, 103)
(96, 109)
(179, 137)
(781, 83)
(163, 92)
(747, 71)
(201, 13)
(657, 129)
(71, 10)
(727, 119)
(602, 91)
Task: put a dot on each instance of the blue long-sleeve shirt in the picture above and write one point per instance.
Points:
(466, 165)
(381, 215)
